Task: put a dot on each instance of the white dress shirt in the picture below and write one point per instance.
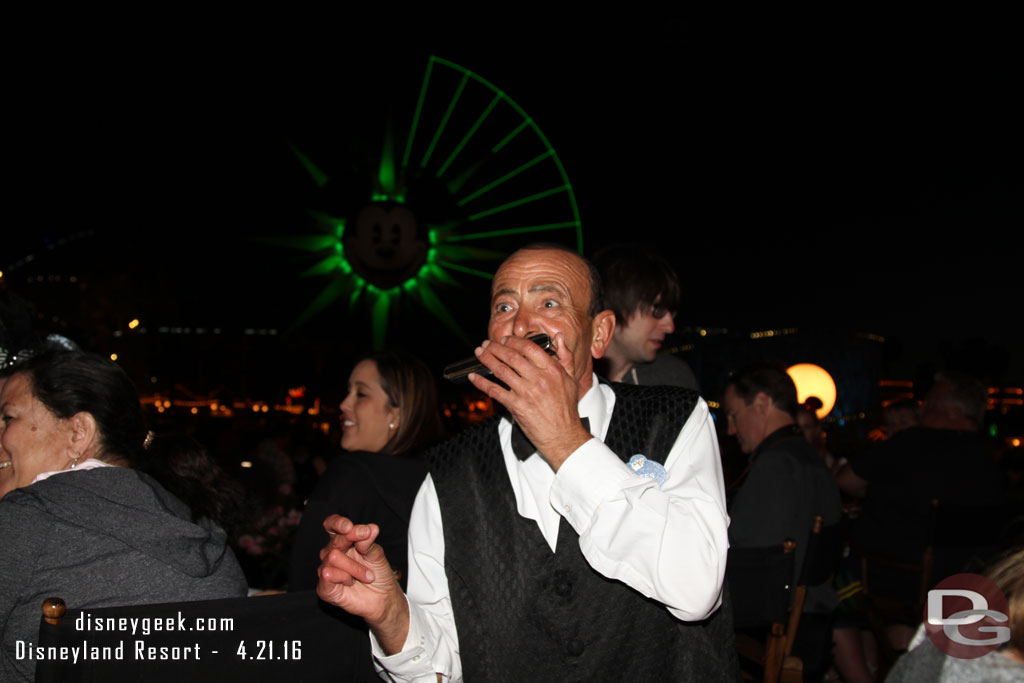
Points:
(668, 542)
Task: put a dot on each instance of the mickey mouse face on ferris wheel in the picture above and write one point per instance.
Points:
(384, 245)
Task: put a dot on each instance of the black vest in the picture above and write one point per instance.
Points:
(524, 613)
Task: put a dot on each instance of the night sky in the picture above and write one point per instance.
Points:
(868, 181)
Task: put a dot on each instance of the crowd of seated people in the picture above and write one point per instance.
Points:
(931, 498)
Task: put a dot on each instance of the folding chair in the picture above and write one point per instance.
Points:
(824, 550)
(760, 580)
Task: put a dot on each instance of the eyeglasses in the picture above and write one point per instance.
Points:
(660, 311)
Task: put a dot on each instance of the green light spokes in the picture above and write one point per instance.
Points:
(490, 185)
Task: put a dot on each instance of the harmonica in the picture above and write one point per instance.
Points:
(459, 371)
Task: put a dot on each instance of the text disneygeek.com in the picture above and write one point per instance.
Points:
(137, 649)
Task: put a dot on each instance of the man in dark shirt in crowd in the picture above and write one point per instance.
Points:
(945, 458)
(643, 291)
(786, 485)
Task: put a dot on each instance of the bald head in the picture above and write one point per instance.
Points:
(593, 275)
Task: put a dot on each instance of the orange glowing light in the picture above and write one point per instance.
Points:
(814, 380)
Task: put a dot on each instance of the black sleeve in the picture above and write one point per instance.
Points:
(328, 498)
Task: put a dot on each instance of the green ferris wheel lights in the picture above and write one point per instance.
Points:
(386, 170)
(505, 178)
(433, 304)
(325, 266)
(466, 138)
(444, 120)
(318, 176)
(572, 199)
(416, 116)
(380, 314)
(470, 271)
(329, 293)
(499, 95)
(508, 138)
(488, 159)
(512, 231)
(518, 202)
(356, 293)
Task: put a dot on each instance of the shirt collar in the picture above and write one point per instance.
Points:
(596, 405)
(90, 464)
(531, 479)
(780, 434)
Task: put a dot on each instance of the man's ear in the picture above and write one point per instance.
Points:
(763, 403)
(603, 328)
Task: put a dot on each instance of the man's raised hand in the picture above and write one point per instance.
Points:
(355, 576)
(542, 393)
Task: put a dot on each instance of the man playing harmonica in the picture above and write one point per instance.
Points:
(546, 547)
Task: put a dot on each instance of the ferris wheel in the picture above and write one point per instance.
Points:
(440, 193)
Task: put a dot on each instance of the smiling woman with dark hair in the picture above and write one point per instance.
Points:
(389, 416)
(81, 522)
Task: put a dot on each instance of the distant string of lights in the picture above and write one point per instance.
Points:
(766, 334)
(70, 279)
(703, 331)
(700, 331)
(682, 348)
(199, 330)
(221, 409)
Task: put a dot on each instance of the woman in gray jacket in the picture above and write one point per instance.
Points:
(82, 522)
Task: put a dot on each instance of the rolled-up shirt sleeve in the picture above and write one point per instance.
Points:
(668, 541)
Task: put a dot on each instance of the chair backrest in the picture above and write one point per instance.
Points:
(824, 550)
(760, 580)
(286, 637)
